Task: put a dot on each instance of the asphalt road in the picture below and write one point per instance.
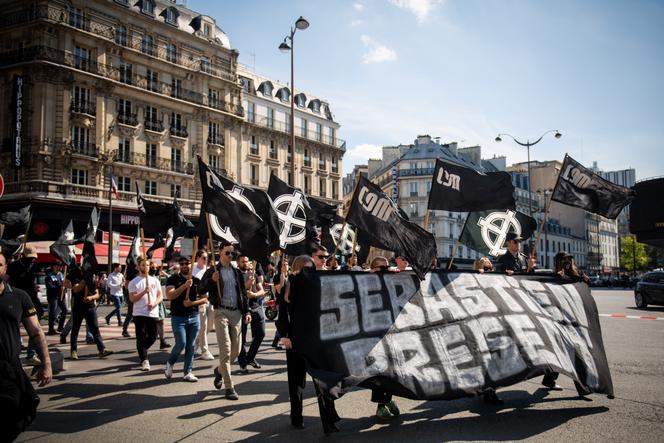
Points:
(110, 400)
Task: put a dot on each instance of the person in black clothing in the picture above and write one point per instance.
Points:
(181, 290)
(255, 294)
(279, 289)
(84, 307)
(515, 261)
(55, 302)
(295, 362)
(18, 399)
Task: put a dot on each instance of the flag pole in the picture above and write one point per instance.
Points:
(147, 272)
(541, 227)
(209, 229)
(426, 219)
(454, 251)
(62, 288)
(110, 217)
(27, 229)
(191, 267)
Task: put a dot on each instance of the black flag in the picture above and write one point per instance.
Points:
(377, 217)
(257, 201)
(14, 223)
(581, 187)
(133, 254)
(297, 221)
(460, 189)
(230, 220)
(158, 243)
(63, 247)
(485, 231)
(181, 227)
(89, 258)
(155, 217)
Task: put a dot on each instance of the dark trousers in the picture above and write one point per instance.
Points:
(550, 378)
(56, 306)
(380, 396)
(257, 335)
(129, 316)
(146, 335)
(297, 377)
(88, 312)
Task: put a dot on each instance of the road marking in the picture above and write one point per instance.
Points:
(637, 317)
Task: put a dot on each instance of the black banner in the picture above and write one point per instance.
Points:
(581, 187)
(461, 189)
(378, 218)
(17, 130)
(485, 231)
(88, 257)
(155, 217)
(63, 247)
(449, 336)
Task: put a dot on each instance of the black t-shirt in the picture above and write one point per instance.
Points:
(508, 262)
(75, 277)
(177, 304)
(15, 305)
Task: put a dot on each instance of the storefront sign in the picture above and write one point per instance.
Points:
(17, 138)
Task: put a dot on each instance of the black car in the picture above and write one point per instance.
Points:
(650, 289)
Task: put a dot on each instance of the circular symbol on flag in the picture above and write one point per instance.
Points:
(346, 240)
(293, 218)
(495, 227)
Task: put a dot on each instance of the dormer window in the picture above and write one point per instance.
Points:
(171, 16)
(147, 7)
(266, 89)
(246, 85)
(314, 105)
(283, 94)
(206, 29)
(300, 100)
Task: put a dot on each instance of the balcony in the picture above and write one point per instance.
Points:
(253, 150)
(89, 149)
(128, 119)
(321, 166)
(284, 127)
(155, 162)
(334, 169)
(154, 126)
(412, 172)
(307, 162)
(215, 140)
(84, 107)
(179, 131)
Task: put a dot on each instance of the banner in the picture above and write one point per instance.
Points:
(378, 218)
(155, 217)
(63, 247)
(462, 189)
(449, 336)
(485, 231)
(88, 257)
(580, 187)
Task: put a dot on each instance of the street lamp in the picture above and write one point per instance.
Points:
(301, 24)
(528, 144)
(108, 160)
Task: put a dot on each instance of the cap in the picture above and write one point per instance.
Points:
(513, 236)
(561, 255)
(29, 251)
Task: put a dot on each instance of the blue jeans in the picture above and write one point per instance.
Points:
(185, 331)
(117, 301)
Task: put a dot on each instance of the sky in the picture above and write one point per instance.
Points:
(467, 70)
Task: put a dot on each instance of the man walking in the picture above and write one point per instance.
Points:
(115, 282)
(255, 294)
(205, 310)
(226, 291)
(56, 304)
(145, 294)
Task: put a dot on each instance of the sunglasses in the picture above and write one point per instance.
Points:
(488, 268)
(322, 257)
(227, 253)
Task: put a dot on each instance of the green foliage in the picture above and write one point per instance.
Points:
(632, 251)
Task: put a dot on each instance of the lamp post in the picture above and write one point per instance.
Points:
(108, 160)
(528, 144)
(545, 222)
(301, 24)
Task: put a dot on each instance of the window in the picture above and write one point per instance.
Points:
(318, 131)
(77, 19)
(460, 253)
(171, 16)
(176, 159)
(413, 210)
(213, 161)
(150, 187)
(80, 139)
(321, 161)
(253, 146)
(176, 88)
(151, 155)
(124, 184)
(152, 122)
(125, 72)
(79, 176)
(81, 101)
(307, 184)
(303, 132)
(124, 147)
(147, 45)
(307, 158)
(451, 250)
(413, 189)
(314, 105)
(254, 174)
(206, 29)
(284, 95)
(335, 164)
(333, 137)
(124, 113)
(205, 64)
(300, 99)
(171, 53)
(270, 118)
(290, 179)
(82, 58)
(251, 112)
(273, 150)
(153, 80)
(214, 137)
(213, 98)
(176, 190)
(322, 187)
(147, 7)
(121, 35)
(289, 154)
(178, 126)
(335, 190)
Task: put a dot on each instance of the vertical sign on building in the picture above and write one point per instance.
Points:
(115, 252)
(17, 135)
(395, 193)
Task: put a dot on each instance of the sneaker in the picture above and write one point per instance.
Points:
(217, 379)
(164, 345)
(231, 394)
(168, 372)
(126, 334)
(73, 355)
(553, 387)
(243, 370)
(190, 377)
(254, 364)
(105, 353)
(34, 361)
(393, 408)
(207, 355)
(383, 413)
(145, 365)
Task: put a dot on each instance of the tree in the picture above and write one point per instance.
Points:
(632, 252)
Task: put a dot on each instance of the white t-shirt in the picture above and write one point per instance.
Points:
(198, 272)
(115, 282)
(141, 306)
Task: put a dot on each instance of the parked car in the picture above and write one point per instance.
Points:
(650, 289)
(595, 281)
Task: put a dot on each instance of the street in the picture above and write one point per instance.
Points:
(111, 400)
